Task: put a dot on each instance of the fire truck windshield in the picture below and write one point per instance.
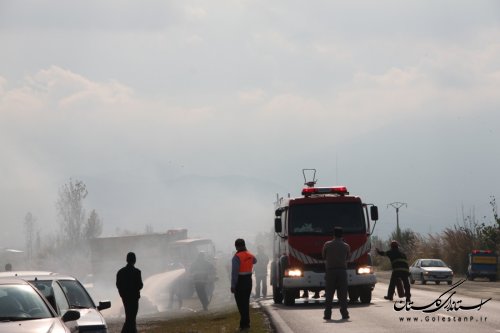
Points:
(321, 218)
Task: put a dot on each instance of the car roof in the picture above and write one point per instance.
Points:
(12, 280)
(38, 275)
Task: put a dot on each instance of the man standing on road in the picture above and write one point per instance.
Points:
(400, 270)
(129, 284)
(336, 254)
(203, 273)
(261, 272)
(241, 281)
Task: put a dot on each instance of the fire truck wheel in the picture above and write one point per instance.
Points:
(277, 296)
(365, 296)
(289, 296)
(353, 294)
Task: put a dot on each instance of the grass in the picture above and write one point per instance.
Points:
(226, 322)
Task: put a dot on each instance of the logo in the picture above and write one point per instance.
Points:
(445, 301)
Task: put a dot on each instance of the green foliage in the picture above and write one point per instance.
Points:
(215, 323)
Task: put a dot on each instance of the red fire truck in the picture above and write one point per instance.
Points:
(302, 225)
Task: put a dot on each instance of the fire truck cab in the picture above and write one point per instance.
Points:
(303, 225)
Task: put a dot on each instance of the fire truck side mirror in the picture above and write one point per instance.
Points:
(374, 213)
(277, 225)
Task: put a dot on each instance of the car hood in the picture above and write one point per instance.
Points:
(90, 317)
(47, 325)
(436, 269)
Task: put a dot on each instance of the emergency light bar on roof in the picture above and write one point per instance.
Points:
(340, 190)
(482, 252)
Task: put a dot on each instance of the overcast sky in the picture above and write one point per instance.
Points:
(197, 113)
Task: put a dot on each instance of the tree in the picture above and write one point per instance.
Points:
(407, 239)
(490, 234)
(70, 210)
(93, 227)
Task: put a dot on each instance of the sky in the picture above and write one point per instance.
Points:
(198, 114)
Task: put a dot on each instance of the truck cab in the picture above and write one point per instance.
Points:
(303, 225)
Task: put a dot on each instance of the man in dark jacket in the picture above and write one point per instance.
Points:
(400, 270)
(129, 284)
(336, 254)
(260, 270)
(202, 273)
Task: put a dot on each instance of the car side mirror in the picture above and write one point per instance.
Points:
(374, 213)
(70, 315)
(103, 305)
(277, 225)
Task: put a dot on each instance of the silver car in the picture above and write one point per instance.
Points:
(24, 309)
(430, 270)
(65, 293)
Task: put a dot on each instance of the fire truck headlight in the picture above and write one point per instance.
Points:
(365, 270)
(294, 272)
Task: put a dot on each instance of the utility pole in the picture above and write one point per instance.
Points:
(397, 205)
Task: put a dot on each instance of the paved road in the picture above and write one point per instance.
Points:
(477, 288)
(381, 316)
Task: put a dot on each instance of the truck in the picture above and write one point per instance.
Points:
(303, 224)
(482, 263)
(156, 252)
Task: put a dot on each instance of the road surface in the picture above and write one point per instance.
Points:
(385, 316)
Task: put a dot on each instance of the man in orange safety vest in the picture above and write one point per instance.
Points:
(241, 281)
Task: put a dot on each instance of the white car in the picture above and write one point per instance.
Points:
(430, 270)
(24, 309)
(66, 293)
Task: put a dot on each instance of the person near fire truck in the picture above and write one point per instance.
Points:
(260, 270)
(336, 253)
(202, 272)
(400, 270)
(129, 284)
(241, 281)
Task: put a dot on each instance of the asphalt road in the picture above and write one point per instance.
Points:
(385, 316)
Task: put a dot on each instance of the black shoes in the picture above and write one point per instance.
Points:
(388, 298)
(344, 316)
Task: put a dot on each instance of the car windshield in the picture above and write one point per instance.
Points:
(322, 218)
(21, 302)
(433, 263)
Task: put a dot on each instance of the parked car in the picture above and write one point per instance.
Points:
(430, 270)
(24, 309)
(66, 293)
